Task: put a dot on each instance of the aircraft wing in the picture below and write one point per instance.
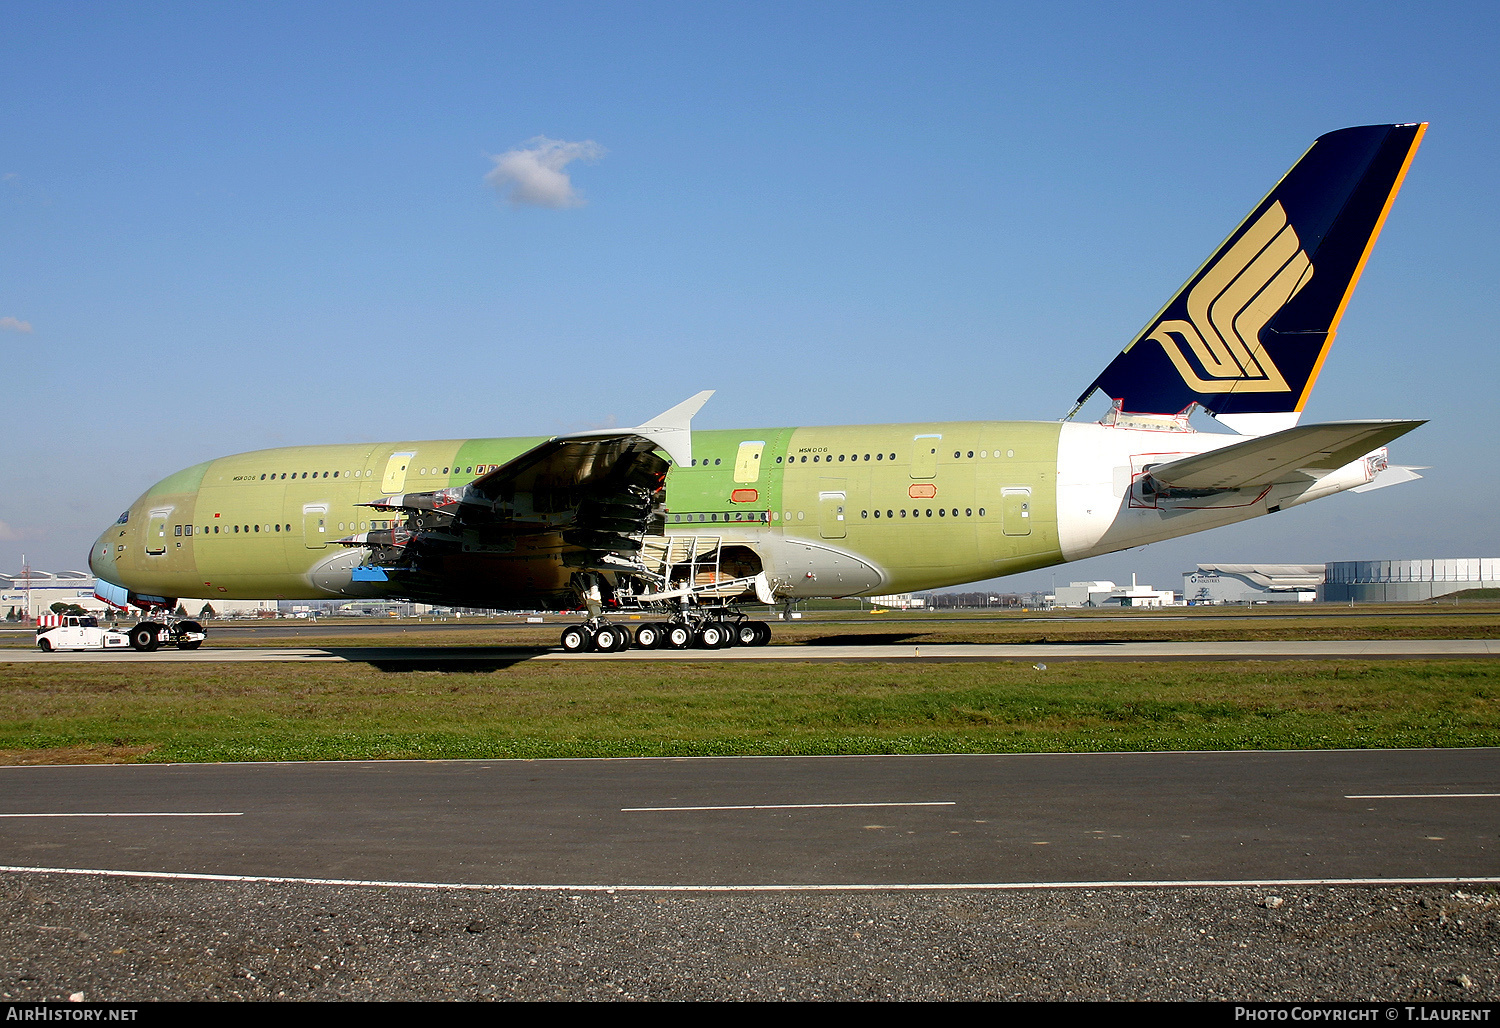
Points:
(1278, 457)
(597, 491)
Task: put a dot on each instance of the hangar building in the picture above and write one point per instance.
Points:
(1385, 581)
(1252, 583)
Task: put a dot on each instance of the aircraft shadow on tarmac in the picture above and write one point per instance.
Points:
(864, 639)
(465, 661)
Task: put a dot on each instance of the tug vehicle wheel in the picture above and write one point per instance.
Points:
(144, 637)
(45, 645)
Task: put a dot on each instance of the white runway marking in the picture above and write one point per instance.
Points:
(795, 806)
(184, 876)
(144, 813)
(1426, 796)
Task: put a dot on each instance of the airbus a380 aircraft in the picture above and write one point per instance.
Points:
(656, 518)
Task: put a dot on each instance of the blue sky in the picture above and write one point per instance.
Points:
(231, 226)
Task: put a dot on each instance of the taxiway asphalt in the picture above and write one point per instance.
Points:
(737, 823)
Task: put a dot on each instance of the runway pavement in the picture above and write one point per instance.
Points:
(882, 822)
(1346, 649)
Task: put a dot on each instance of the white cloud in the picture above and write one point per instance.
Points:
(14, 325)
(8, 534)
(533, 173)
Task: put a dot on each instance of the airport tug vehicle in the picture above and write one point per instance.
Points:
(83, 632)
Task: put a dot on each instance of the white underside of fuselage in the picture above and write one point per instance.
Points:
(1102, 507)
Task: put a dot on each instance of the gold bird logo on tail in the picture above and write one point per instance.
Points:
(1219, 349)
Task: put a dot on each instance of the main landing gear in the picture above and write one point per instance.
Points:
(710, 630)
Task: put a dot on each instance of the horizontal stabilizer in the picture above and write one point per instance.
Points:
(1281, 455)
(1391, 474)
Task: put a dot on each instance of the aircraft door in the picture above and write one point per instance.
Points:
(315, 526)
(156, 532)
(924, 454)
(832, 504)
(1015, 510)
(394, 480)
(747, 464)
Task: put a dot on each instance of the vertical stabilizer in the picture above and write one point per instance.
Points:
(1246, 336)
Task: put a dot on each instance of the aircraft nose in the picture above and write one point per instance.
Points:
(102, 558)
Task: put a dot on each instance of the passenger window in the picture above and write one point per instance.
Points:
(971, 453)
(177, 530)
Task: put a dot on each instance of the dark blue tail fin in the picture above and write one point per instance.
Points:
(1246, 336)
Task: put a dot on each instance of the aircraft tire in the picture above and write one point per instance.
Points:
(145, 637)
(649, 637)
(710, 637)
(677, 637)
(763, 633)
(747, 634)
(607, 639)
(575, 639)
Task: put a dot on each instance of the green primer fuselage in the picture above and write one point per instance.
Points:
(928, 505)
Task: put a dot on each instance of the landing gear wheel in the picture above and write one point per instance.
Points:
(649, 637)
(763, 633)
(710, 637)
(678, 637)
(746, 634)
(575, 639)
(610, 639)
(144, 637)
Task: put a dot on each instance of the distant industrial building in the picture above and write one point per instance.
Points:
(1107, 594)
(1252, 583)
(898, 601)
(1387, 581)
(33, 592)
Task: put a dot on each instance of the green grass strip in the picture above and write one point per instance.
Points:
(233, 712)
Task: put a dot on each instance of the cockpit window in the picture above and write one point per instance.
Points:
(123, 518)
